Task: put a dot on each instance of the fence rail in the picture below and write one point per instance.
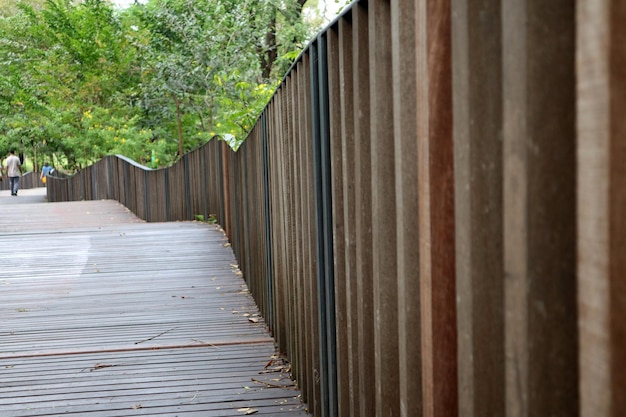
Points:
(430, 210)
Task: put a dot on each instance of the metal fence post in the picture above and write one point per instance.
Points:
(268, 226)
(323, 204)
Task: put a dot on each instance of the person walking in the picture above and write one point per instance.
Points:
(45, 170)
(14, 171)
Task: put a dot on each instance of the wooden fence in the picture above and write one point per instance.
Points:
(28, 180)
(431, 211)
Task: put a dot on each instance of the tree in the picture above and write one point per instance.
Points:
(10, 7)
(80, 80)
(201, 60)
(67, 62)
(284, 33)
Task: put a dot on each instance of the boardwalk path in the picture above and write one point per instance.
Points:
(105, 315)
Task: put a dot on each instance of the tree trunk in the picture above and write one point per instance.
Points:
(268, 57)
(270, 54)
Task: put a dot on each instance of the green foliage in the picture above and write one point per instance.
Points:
(211, 220)
(238, 115)
(81, 80)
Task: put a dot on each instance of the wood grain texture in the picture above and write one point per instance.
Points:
(477, 100)
(436, 186)
(340, 206)
(403, 33)
(540, 208)
(127, 318)
(363, 198)
(384, 228)
(346, 88)
(601, 130)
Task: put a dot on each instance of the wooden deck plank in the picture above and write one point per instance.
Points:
(86, 285)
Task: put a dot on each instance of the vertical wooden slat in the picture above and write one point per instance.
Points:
(601, 63)
(618, 203)
(539, 208)
(384, 243)
(275, 186)
(313, 353)
(423, 177)
(226, 185)
(288, 218)
(346, 74)
(278, 226)
(477, 86)
(245, 196)
(299, 275)
(314, 377)
(282, 220)
(363, 188)
(436, 209)
(299, 196)
(307, 356)
(278, 223)
(267, 255)
(328, 235)
(339, 227)
(403, 24)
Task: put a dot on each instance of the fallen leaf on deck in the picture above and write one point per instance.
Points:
(247, 410)
(102, 365)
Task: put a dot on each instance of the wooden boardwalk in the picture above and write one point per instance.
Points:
(104, 315)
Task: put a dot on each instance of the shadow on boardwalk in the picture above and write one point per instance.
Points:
(105, 315)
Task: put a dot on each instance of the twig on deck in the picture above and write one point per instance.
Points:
(154, 337)
(269, 384)
(205, 343)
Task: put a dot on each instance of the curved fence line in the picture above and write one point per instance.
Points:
(430, 210)
(185, 191)
(28, 180)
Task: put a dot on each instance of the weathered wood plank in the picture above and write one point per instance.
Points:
(363, 214)
(403, 33)
(436, 209)
(105, 315)
(539, 209)
(601, 201)
(384, 233)
(477, 99)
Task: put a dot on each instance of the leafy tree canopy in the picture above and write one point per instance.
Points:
(81, 79)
